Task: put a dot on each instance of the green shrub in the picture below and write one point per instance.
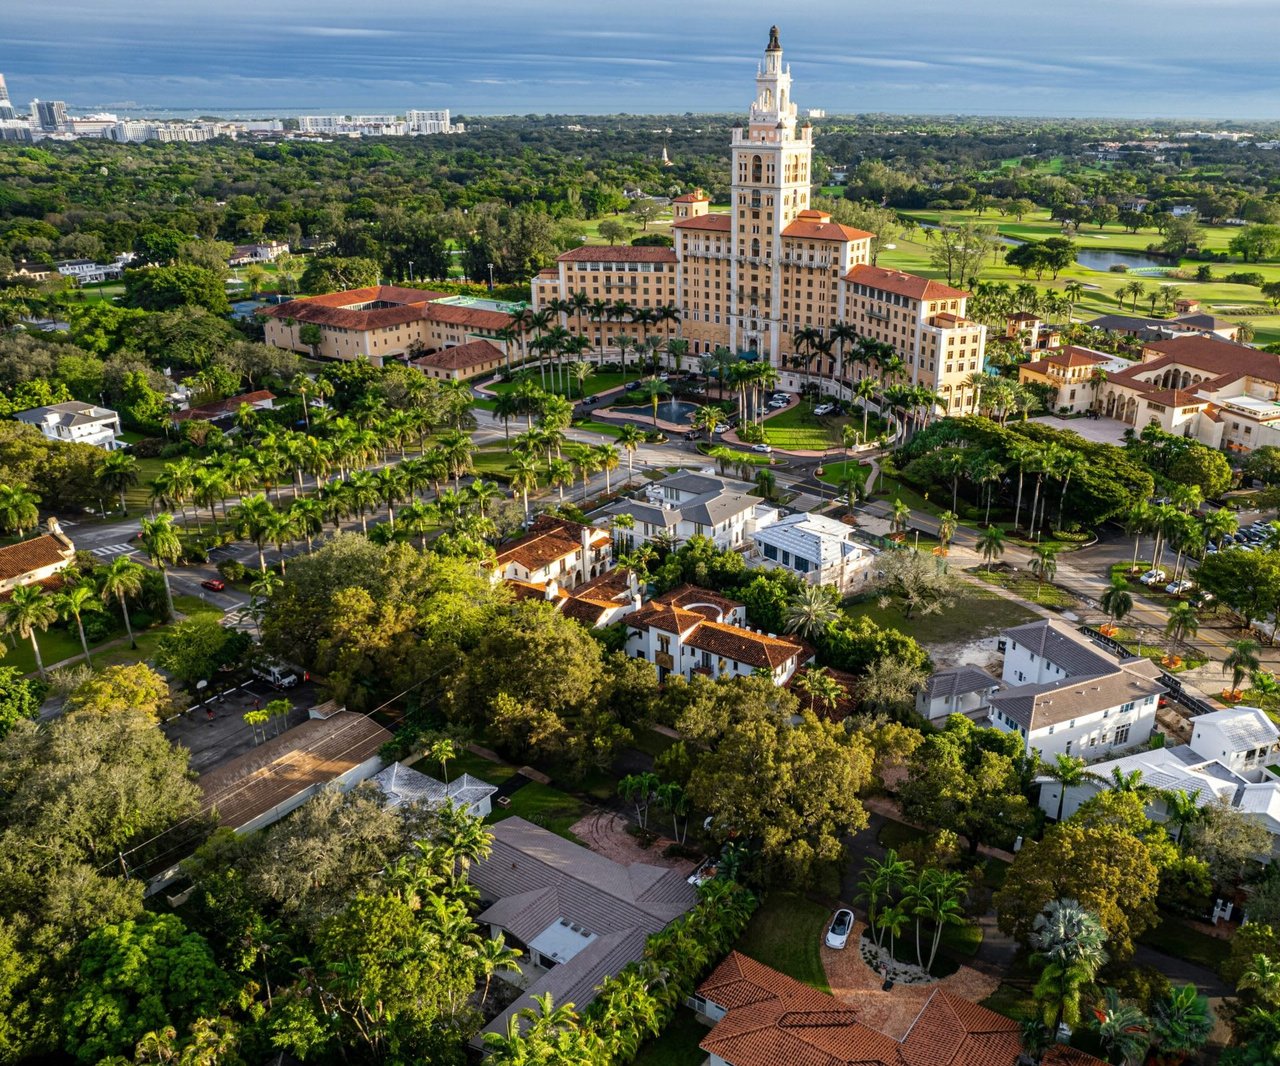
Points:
(233, 570)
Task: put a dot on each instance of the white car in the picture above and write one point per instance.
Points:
(824, 409)
(761, 448)
(777, 405)
(1152, 577)
(839, 930)
(1177, 588)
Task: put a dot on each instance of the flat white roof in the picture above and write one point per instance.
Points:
(561, 940)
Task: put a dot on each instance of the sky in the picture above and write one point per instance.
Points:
(1188, 59)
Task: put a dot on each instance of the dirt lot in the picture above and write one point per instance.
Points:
(606, 833)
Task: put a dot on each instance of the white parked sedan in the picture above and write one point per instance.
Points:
(841, 927)
(1152, 577)
(761, 448)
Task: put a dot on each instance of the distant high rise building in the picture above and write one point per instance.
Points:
(7, 112)
(49, 115)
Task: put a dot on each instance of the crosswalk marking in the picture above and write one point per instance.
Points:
(108, 550)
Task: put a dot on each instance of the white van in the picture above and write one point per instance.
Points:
(276, 674)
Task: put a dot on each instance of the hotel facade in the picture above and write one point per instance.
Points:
(752, 278)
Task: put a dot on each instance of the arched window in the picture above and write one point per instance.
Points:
(755, 247)
(757, 168)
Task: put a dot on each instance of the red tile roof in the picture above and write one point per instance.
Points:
(1217, 356)
(722, 223)
(461, 356)
(817, 225)
(470, 317)
(773, 1020)
(744, 646)
(617, 253)
(222, 407)
(1174, 398)
(665, 617)
(697, 197)
(335, 308)
(27, 556)
(910, 285)
(1072, 355)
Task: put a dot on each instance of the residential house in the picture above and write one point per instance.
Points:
(76, 422)
(87, 272)
(1031, 333)
(689, 504)
(261, 252)
(1190, 322)
(1062, 693)
(578, 916)
(1243, 739)
(462, 362)
(224, 410)
(555, 550)
(963, 690)
(402, 785)
(1074, 374)
(691, 630)
(33, 270)
(1169, 769)
(598, 602)
(764, 1018)
(818, 549)
(35, 559)
(334, 747)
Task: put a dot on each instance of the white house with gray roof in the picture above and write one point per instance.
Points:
(963, 690)
(690, 504)
(578, 916)
(1242, 738)
(819, 549)
(74, 422)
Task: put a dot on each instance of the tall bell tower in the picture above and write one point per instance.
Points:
(771, 175)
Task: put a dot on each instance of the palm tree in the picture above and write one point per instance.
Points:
(1070, 942)
(1070, 772)
(493, 955)
(74, 601)
(26, 610)
(1044, 564)
(281, 531)
(881, 879)
(991, 544)
(163, 546)
(1182, 810)
(1182, 1022)
(900, 516)
(947, 522)
(1116, 600)
(653, 390)
(19, 508)
(810, 611)
(630, 437)
(821, 688)
(252, 521)
(524, 479)
(707, 417)
(1182, 622)
(607, 457)
(1241, 660)
(939, 899)
(122, 579)
(307, 515)
(117, 472)
(1124, 1030)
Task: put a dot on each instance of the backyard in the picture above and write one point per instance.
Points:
(678, 1043)
(786, 933)
(975, 613)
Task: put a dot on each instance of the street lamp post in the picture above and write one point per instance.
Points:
(411, 270)
(491, 277)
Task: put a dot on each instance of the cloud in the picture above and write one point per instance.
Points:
(344, 31)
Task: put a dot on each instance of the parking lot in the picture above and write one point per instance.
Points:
(215, 731)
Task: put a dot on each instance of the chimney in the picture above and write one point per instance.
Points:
(55, 531)
(552, 589)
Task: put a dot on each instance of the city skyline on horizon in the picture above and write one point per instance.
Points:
(140, 56)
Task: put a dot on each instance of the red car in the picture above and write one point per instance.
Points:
(213, 584)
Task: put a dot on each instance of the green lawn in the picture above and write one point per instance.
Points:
(468, 762)
(677, 1045)
(895, 834)
(595, 384)
(1232, 301)
(1177, 937)
(797, 429)
(786, 933)
(1024, 585)
(544, 806)
(835, 473)
(1013, 1001)
(975, 613)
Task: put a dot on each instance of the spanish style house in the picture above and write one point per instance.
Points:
(555, 550)
(1058, 690)
(35, 559)
(692, 630)
(1073, 374)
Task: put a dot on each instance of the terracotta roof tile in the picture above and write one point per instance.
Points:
(33, 554)
(910, 285)
(471, 317)
(219, 408)
(461, 356)
(1070, 356)
(816, 225)
(1217, 356)
(721, 223)
(697, 197)
(744, 646)
(618, 253)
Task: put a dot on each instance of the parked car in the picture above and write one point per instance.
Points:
(824, 409)
(720, 427)
(1200, 598)
(213, 584)
(777, 405)
(839, 930)
(1177, 588)
(1153, 577)
(761, 448)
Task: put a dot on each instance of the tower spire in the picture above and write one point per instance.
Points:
(773, 46)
